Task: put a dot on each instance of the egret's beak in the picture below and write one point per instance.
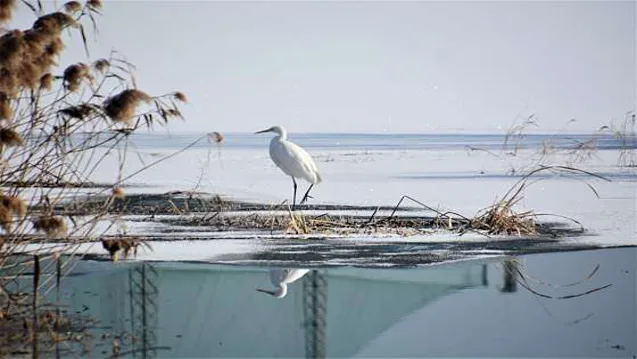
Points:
(270, 292)
(264, 131)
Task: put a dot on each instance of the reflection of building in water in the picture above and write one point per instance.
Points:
(510, 269)
(315, 313)
(143, 294)
(337, 312)
(214, 311)
(123, 298)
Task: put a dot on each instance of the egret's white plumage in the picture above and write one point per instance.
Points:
(293, 160)
(280, 278)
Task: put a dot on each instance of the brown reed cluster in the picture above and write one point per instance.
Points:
(180, 96)
(124, 244)
(5, 107)
(94, 4)
(72, 6)
(121, 107)
(6, 8)
(52, 226)
(101, 65)
(75, 74)
(501, 219)
(27, 56)
(9, 137)
(11, 207)
(80, 111)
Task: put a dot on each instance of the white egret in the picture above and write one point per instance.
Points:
(293, 160)
(280, 278)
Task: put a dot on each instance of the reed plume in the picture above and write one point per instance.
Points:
(121, 107)
(9, 137)
(10, 206)
(74, 74)
(52, 226)
(5, 107)
(72, 6)
(6, 9)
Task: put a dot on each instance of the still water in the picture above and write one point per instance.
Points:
(477, 308)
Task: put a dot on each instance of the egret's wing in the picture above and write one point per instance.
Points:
(299, 162)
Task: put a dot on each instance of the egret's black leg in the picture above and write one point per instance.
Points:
(307, 194)
(294, 198)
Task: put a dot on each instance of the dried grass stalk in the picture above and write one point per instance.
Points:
(121, 107)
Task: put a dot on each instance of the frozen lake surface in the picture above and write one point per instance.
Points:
(463, 173)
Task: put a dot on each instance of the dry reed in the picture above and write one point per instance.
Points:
(52, 226)
(9, 137)
(46, 81)
(95, 4)
(121, 107)
(72, 6)
(79, 112)
(501, 218)
(180, 96)
(10, 207)
(125, 245)
(75, 74)
(6, 9)
(5, 107)
(101, 65)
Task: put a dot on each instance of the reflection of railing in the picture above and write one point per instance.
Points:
(143, 299)
(315, 313)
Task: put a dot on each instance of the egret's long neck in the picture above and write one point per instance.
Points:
(283, 135)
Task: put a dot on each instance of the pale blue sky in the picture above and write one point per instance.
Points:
(379, 66)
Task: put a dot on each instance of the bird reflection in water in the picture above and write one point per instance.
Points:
(280, 278)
